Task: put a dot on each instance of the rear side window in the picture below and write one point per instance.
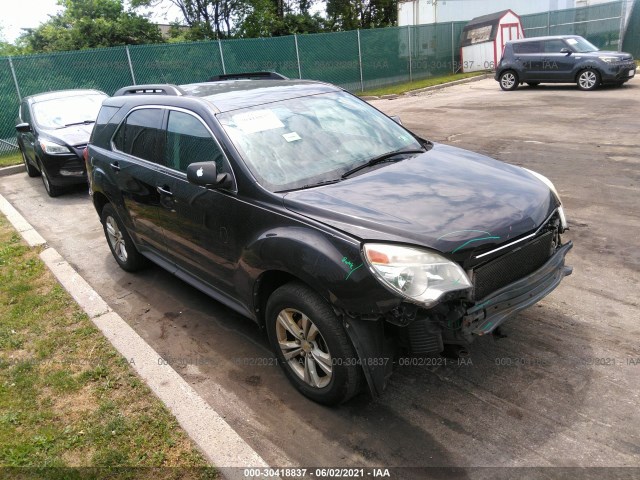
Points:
(140, 134)
(527, 47)
(188, 141)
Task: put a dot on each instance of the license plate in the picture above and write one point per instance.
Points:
(632, 73)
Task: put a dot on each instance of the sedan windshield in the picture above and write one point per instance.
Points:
(65, 111)
(312, 140)
(580, 45)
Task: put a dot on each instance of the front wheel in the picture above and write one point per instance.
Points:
(312, 345)
(52, 190)
(31, 170)
(588, 79)
(120, 243)
(508, 80)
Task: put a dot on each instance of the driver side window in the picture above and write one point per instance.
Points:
(189, 141)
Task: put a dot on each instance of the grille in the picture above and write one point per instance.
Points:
(512, 266)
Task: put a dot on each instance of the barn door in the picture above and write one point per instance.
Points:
(508, 31)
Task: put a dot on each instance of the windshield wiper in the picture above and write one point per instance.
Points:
(381, 159)
(311, 185)
(83, 122)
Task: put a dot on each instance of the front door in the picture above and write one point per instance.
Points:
(199, 225)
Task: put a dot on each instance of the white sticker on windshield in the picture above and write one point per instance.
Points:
(257, 121)
(571, 41)
(291, 137)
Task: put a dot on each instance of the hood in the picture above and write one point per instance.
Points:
(448, 199)
(607, 53)
(73, 136)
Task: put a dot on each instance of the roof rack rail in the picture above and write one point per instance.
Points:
(248, 76)
(150, 89)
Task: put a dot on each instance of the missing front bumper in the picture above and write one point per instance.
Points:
(488, 313)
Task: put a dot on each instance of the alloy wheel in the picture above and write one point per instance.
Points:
(116, 239)
(304, 348)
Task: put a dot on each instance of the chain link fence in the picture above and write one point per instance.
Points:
(356, 60)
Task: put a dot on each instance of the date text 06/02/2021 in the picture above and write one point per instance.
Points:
(324, 472)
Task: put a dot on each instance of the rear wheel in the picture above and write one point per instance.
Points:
(508, 80)
(588, 79)
(312, 345)
(31, 170)
(120, 243)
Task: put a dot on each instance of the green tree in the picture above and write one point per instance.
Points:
(349, 15)
(90, 24)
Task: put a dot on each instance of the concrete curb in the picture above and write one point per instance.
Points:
(11, 170)
(428, 89)
(220, 444)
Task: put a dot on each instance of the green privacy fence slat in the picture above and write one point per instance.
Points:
(354, 60)
(261, 54)
(331, 57)
(8, 106)
(384, 56)
(600, 24)
(631, 42)
(176, 63)
(105, 69)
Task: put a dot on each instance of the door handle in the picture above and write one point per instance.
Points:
(115, 166)
(164, 190)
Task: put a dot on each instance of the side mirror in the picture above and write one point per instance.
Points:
(566, 50)
(206, 175)
(23, 127)
(396, 119)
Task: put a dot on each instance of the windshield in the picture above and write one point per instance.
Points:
(60, 112)
(308, 140)
(580, 45)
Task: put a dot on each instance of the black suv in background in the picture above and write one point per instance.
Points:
(52, 130)
(347, 237)
(562, 59)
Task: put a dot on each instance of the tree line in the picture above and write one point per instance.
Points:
(84, 24)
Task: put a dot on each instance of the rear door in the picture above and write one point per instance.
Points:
(528, 56)
(135, 164)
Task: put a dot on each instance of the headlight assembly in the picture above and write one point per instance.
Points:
(549, 183)
(53, 148)
(416, 274)
(607, 59)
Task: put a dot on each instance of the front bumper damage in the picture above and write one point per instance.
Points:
(488, 313)
(376, 352)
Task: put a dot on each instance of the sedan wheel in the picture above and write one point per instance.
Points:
(588, 80)
(311, 345)
(509, 80)
(31, 170)
(52, 190)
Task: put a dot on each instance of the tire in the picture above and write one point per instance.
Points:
(120, 243)
(533, 84)
(508, 80)
(52, 190)
(588, 79)
(320, 360)
(31, 170)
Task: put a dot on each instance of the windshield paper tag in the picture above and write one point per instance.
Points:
(257, 121)
(291, 137)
